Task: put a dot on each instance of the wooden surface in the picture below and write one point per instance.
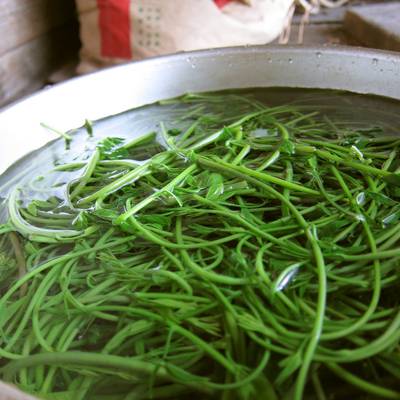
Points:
(376, 25)
(327, 27)
(22, 21)
(324, 28)
(27, 67)
(321, 34)
(38, 36)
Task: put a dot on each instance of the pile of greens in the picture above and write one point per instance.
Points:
(230, 257)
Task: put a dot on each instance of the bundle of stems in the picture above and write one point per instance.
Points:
(256, 255)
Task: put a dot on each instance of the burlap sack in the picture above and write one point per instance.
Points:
(114, 31)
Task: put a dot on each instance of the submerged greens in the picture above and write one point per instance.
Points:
(246, 254)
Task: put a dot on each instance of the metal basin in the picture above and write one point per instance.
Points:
(113, 90)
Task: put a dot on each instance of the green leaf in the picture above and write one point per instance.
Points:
(287, 147)
(111, 148)
(226, 134)
(105, 213)
(174, 132)
(313, 162)
(393, 178)
(127, 227)
(290, 365)
(81, 220)
(156, 220)
(30, 248)
(89, 127)
(355, 152)
(216, 186)
(380, 198)
(7, 266)
(32, 209)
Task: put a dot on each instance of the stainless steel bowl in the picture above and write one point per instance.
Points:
(116, 89)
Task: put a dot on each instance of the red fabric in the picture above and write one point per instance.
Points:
(115, 26)
(221, 3)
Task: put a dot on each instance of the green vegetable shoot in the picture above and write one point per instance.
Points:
(246, 256)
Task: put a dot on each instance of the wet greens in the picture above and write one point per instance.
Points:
(241, 255)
